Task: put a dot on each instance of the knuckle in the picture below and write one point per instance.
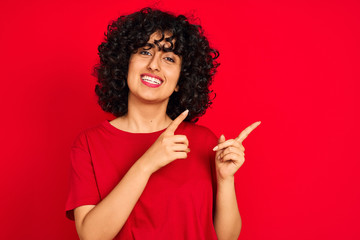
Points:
(226, 151)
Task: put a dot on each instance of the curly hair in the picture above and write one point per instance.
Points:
(130, 32)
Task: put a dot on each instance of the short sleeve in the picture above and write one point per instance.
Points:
(83, 188)
(210, 144)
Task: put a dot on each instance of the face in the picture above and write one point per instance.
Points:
(153, 74)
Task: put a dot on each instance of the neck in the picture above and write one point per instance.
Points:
(144, 117)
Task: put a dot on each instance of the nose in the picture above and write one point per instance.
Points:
(154, 63)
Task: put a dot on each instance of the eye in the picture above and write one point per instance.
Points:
(144, 52)
(169, 59)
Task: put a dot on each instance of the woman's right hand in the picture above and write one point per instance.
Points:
(167, 148)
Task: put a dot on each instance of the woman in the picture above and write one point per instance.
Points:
(135, 176)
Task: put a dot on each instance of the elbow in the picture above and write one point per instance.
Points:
(86, 235)
(233, 236)
(239, 227)
(83, 236)
(227, 233)
(89, 237)
(89, 234)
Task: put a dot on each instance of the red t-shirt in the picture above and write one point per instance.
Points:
(178, 200)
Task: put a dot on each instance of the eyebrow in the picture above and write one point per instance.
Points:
(148, 46)
(161, 47)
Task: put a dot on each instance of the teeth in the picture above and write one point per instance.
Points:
(151, 80)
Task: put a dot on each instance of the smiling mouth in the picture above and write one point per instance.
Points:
(151, 81)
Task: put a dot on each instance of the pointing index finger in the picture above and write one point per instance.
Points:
(174, 124)
(247, 131)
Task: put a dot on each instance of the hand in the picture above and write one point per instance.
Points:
(230, 154)
(167, 146)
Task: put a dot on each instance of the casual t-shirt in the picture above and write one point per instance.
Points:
(178, 200)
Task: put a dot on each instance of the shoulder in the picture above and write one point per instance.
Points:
(92, 132)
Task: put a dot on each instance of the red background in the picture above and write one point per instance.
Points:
(294, 65)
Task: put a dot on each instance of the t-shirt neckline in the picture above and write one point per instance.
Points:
(115, 130)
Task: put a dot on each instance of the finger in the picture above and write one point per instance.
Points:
(234, 158)
(180, 148)
(174, 124)
(180, 155)
(180, 139)
(221, 138)
(223, 154)
(241, 147)
(232, 149)
(224, 145)
(247, 131)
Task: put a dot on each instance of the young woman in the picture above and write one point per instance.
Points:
(135, 177)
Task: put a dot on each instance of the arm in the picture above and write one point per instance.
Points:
(227, 220)
(105, 220)
(229, 158)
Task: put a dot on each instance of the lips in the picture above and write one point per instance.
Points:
(151, 80)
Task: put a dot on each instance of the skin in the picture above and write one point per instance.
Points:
(165, 65)
(147, 113)
(147, 106)
(229, 158)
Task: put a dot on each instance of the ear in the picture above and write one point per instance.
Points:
(176, 88)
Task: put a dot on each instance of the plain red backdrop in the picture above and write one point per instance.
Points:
(294, 65)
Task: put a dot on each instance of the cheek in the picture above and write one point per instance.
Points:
(135, 63)
(131, 78)
(175, 75)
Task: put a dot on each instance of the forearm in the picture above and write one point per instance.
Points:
(227, 220)
(107, 218)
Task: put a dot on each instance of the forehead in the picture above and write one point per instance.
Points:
(163, 40)
(161, 36)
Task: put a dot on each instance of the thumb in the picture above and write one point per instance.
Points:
(221, 139)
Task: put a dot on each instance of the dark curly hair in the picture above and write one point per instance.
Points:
(128, 33)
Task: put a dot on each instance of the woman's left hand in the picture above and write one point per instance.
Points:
(230, 154)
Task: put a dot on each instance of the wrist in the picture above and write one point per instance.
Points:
(226, 187)
(229, 180)
(144, 167)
